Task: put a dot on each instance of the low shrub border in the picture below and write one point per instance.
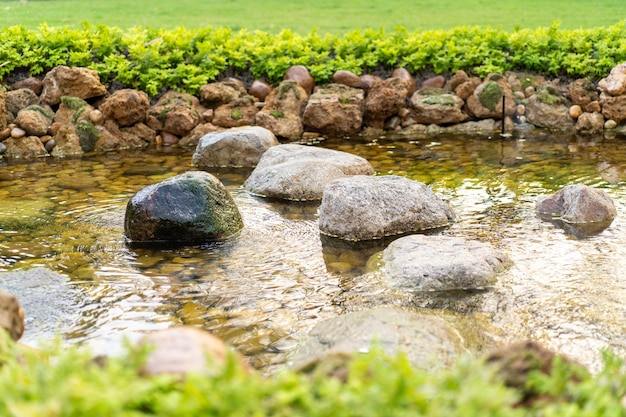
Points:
(154, 60)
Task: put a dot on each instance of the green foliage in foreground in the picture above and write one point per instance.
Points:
(183, 59)
(67, 382)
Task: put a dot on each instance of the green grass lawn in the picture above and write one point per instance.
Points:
(335, 16)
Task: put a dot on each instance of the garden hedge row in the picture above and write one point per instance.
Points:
(153, 60)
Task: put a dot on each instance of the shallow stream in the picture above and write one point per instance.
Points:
(264, 288)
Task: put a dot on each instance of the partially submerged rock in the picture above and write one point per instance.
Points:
(580, 210)
(300, 172)
(194, 207)
(427, 340)
(578, 204)
(240, 147)
(52, 305)
(441, 263)
(183, 350)
(372, 207)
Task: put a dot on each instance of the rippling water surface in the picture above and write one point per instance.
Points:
(264, 288)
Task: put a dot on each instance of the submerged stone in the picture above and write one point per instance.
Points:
(193, 207)
(427, 340)
(438, 263)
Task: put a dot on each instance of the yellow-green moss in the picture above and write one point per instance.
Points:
(549, 95)
(491, 95)
(441, 100)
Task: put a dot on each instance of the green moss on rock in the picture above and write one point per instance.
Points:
(236, 114)
(73, 103)
(41, 110)
(87, 135)
(549, 95)
(286, 86)
(491, 95)
(441, 100)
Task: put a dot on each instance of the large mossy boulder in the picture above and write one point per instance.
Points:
(372, 207)
(194, 207)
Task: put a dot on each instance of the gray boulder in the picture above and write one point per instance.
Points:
(192, 207)
(438, 263)
(368, 207)
(300, 172)
(241, 147)
(578, 204)
(50, 302)
(427, 340)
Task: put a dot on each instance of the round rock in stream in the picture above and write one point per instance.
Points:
(193, 207)
(427, 340)
(300, 172)
(438, 263)
(578, 204)
(239, 147)
(367, 207)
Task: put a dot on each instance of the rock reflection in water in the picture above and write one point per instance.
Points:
(265, 287)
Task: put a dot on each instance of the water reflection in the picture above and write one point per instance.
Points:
(266, 286)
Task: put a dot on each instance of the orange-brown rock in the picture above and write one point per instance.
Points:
(213, 95)
(11, 315)
(301, 75)
(260, 89)
(126, 107)
(335, 109)
(27, 147)
(175, 112)
(404, 74)
(582, 92)
(614, 108)
(347, 78)
(437, 81)
(456, 80)
(367, 80)
(32, 83)
(282, 113)
(71, 81)
(240, 112)
(382, 101)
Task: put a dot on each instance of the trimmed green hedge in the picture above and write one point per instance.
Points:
(152, 60)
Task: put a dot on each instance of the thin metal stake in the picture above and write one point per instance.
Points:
(503, 112)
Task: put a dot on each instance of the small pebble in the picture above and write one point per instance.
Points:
(17, 133)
